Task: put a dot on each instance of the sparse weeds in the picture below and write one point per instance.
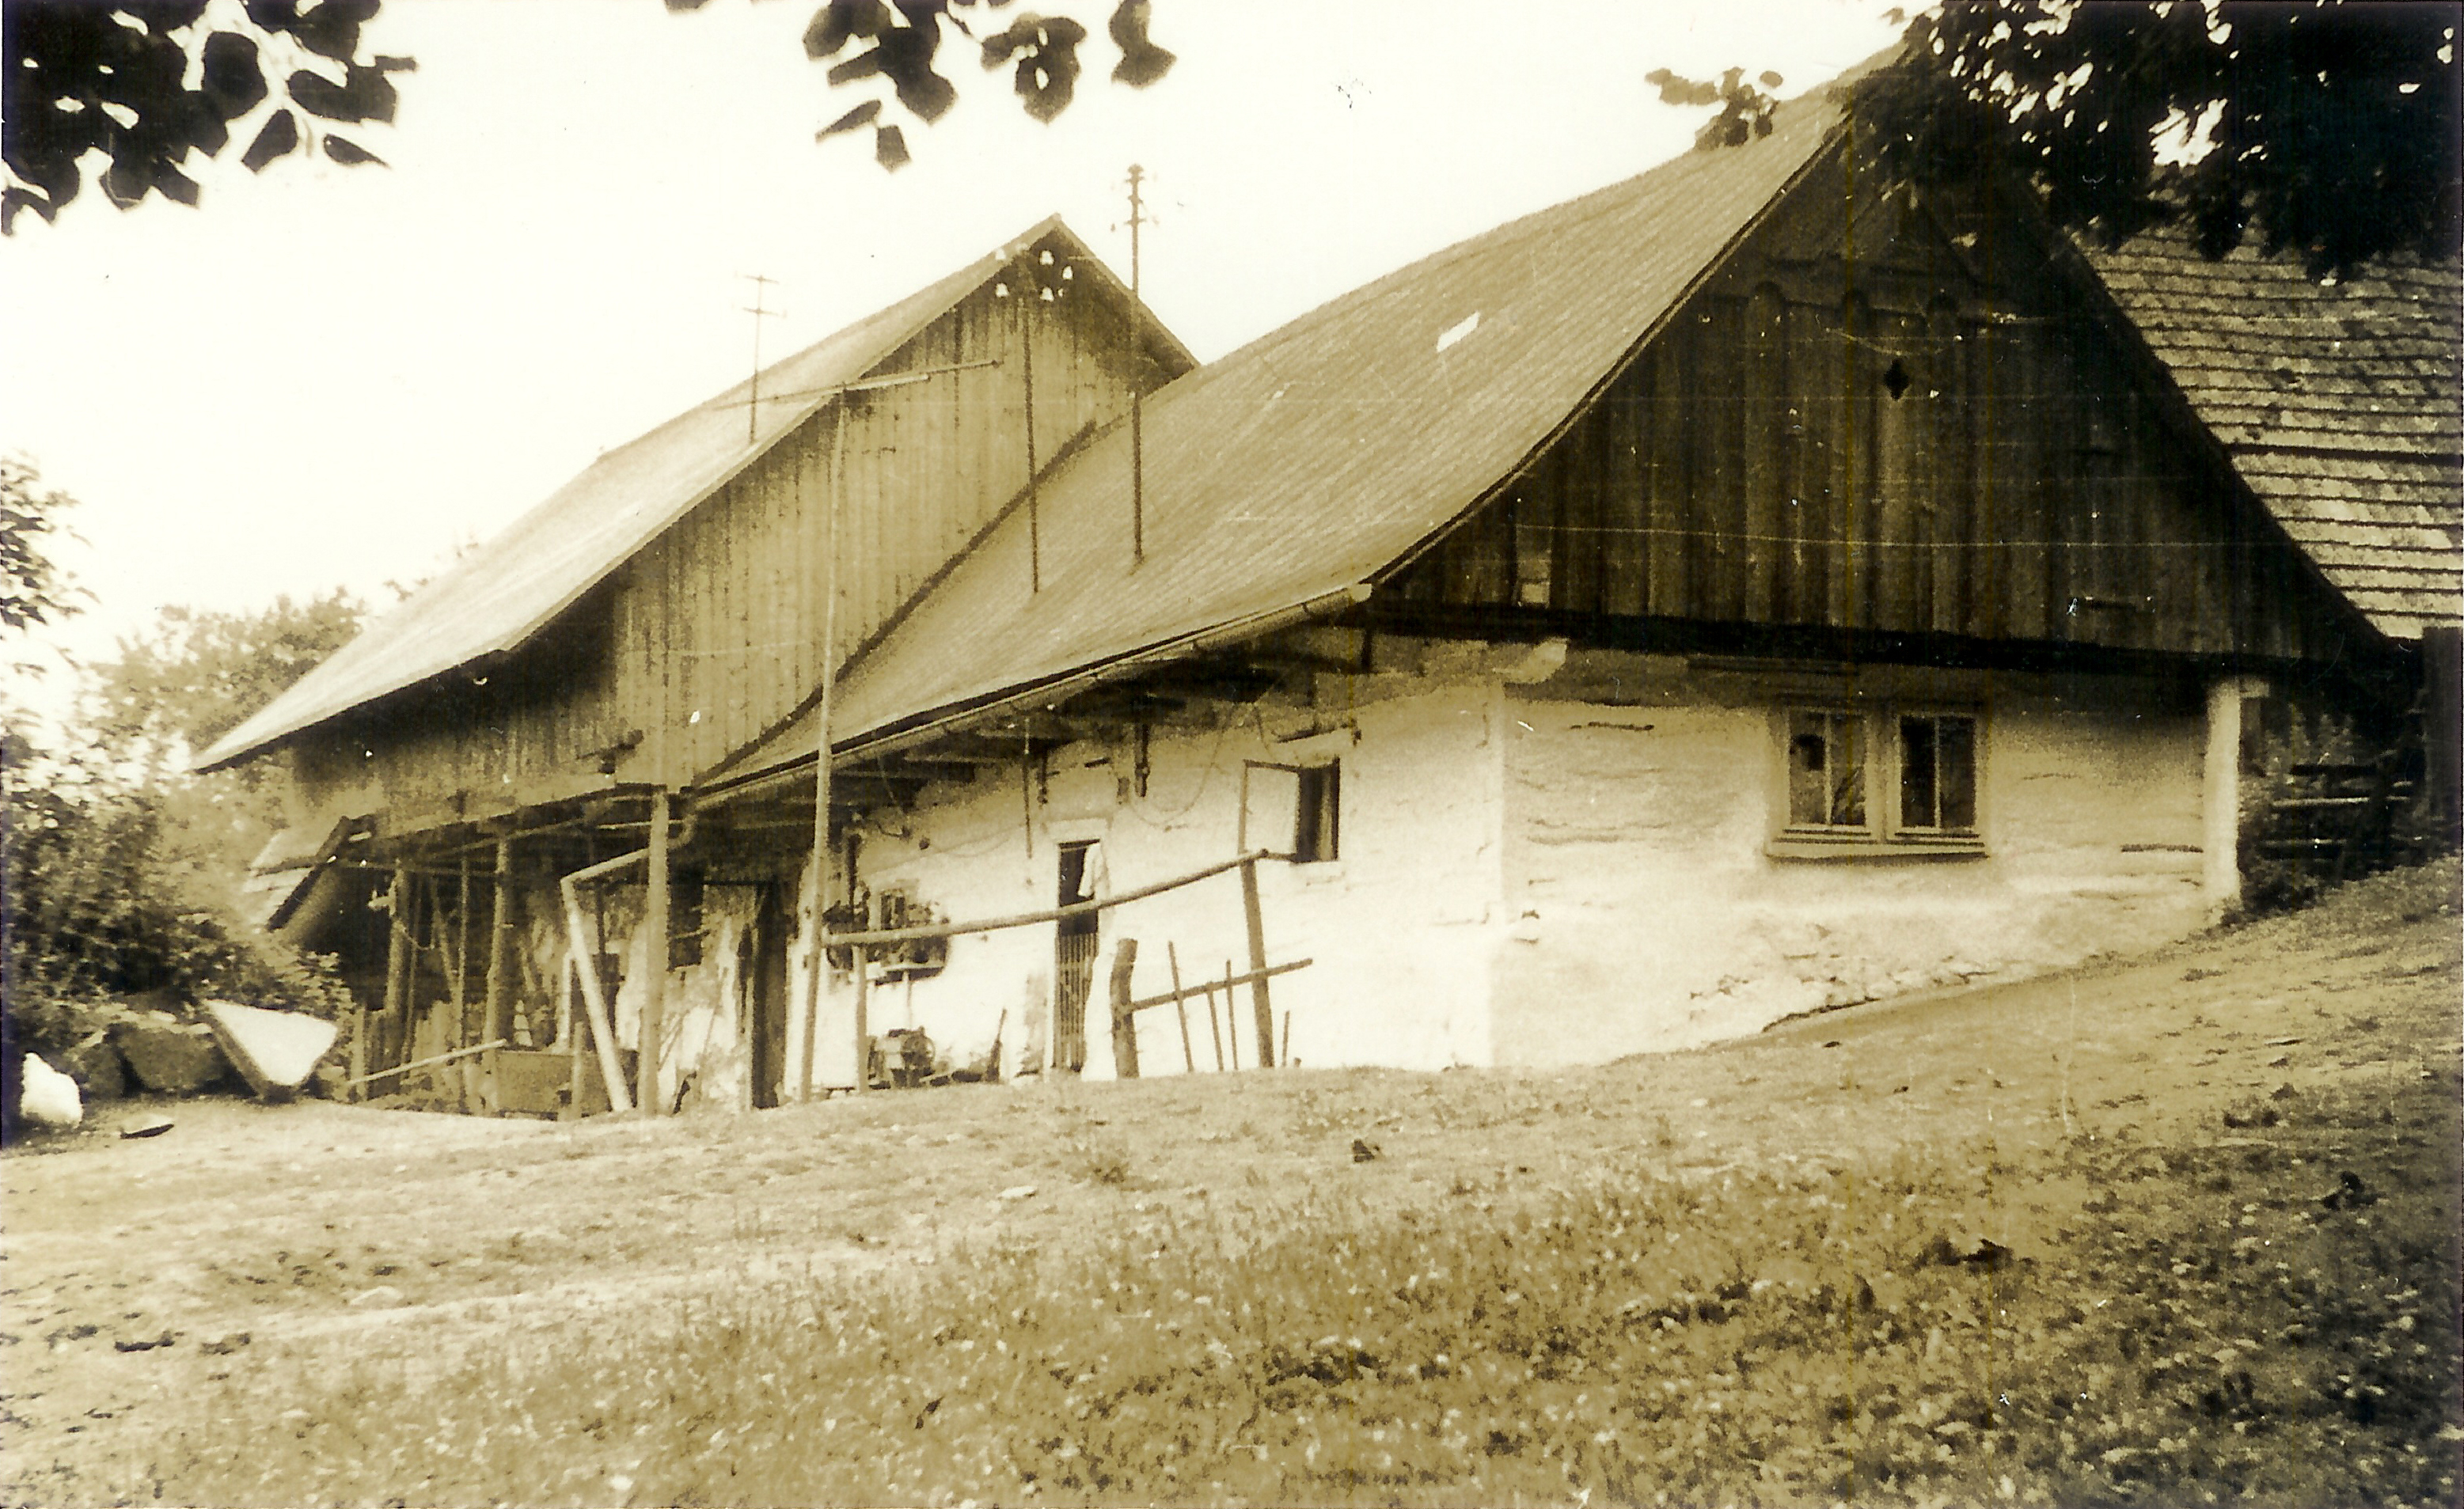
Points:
(2235, 1318)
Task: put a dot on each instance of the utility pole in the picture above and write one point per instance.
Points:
(1137, 381)
(762, 287)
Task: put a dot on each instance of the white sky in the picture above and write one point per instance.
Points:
(331, 376)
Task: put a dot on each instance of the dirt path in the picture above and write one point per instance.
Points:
(248, 1231)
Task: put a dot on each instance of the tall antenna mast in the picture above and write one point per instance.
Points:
(1138, 383)
(762, 287)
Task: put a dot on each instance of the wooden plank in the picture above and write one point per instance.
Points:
(1180, 1010)
(1231, 1018)
(1897, 425)
(1723, 490)
(450, 1057)
(1767, 558)
(1666, 478)
(1213, 1026)
(1856, 533)
(1259, 997)
(1147, 1002)
(1813, 367)
(1625, 515)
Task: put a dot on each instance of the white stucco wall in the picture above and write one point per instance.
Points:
(1647, 913)
(1543, 859)
(1401, 924)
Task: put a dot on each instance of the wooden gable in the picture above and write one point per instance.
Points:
(713, 633)
(1868, 424)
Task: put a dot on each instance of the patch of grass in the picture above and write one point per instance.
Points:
(2233, 1318)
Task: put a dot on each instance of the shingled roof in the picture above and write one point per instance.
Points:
(1299, 466)
(520, 580)
(2340, 404)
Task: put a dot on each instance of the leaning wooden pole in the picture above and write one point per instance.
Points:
(816, 956)
(594, 994)
(1259, 995)
(654, 969)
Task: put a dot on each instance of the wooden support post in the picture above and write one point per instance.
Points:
(1231, 1018)
(397, 988)
(359, 1049)
(1259, 997)
(863, 1026)
(457, 985)
(500, 968)
(654, 969)
(1213, 1026)
(1180, 1009)
(1125, 1021)
(569, 1029)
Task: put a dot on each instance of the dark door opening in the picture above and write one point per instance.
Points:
(772, 924)
(1073, 958)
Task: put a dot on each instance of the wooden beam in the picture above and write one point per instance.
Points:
(1026, 919)
(1175, 998)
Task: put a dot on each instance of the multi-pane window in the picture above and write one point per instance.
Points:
(1938, 774)
(1826, 770)
(1834, 758)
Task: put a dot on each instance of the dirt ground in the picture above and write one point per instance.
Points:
(132, 1270)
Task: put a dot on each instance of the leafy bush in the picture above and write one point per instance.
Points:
(100, 904)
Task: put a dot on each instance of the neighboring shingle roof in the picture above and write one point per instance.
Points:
(1306, 462)
(518, 583)
(2341, 407)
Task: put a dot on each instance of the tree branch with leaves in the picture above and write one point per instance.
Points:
(154, 84)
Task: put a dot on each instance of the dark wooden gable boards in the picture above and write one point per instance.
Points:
(1875, 418)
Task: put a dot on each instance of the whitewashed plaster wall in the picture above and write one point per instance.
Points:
(1401, 924)
(1640, 797)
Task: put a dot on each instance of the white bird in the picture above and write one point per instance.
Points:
(50, 1098)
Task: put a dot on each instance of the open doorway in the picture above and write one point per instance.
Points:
(1073, 957)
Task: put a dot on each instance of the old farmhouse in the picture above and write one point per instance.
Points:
(1748, 588)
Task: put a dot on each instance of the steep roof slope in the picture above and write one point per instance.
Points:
(518, 583)
(1309, 460)
(2341, 407)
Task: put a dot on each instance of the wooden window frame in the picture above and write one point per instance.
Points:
(1326, 847)
(1885, 834)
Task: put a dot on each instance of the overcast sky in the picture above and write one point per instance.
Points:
(331, 376)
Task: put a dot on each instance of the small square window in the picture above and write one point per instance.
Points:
(1826, 770)
(1317, 830)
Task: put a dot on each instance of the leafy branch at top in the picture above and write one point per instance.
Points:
(2332, 129)
(901, 42)
(153, 84)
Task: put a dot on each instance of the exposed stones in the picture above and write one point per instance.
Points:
(95, 1064)
(169, 1056)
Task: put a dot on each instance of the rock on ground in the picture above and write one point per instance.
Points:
(169, 1056)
